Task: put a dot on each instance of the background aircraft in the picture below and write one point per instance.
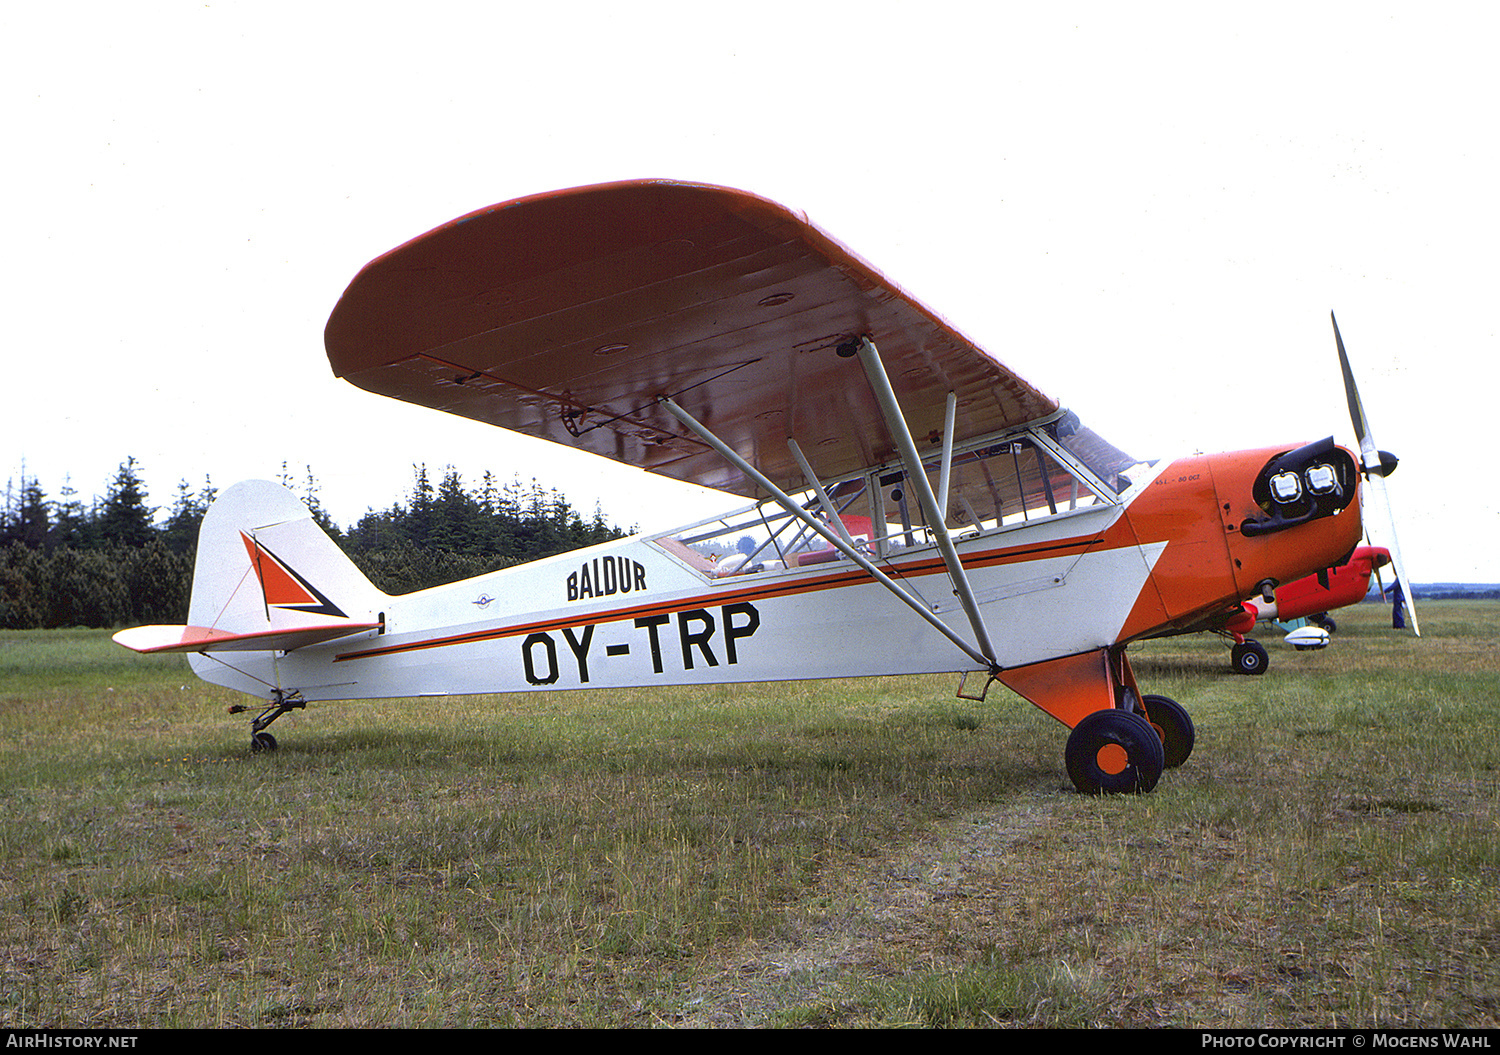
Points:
(915, 505)
(1310, 598)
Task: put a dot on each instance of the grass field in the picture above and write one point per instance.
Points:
(874, 852)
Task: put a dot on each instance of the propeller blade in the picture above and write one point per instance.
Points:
(1374, 492)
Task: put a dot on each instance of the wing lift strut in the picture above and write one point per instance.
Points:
(982, 650)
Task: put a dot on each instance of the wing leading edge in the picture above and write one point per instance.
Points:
(566, 315)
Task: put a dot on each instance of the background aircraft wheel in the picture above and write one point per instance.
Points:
(1114, 751)
(1249, 657)
(1174, 726)
(262, 742)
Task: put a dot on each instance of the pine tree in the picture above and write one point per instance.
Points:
(315, 507)
(72, 525)
(419, 516)
(181, 531)
(30, 522)
(21, 600)
(125, 518)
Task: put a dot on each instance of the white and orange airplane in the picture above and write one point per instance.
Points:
(913, 506)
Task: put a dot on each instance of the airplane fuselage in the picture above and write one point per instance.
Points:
(649, 610)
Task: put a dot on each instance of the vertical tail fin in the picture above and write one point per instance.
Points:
(267, 578)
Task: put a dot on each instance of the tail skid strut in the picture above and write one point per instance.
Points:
(280, 703)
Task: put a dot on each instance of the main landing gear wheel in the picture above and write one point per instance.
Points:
(1175, 727)
(1114, 751)
(262, 742)
(1249, 657)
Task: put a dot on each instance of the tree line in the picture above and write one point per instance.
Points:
(116, 560)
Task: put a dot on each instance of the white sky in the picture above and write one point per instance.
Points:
(1148, 210)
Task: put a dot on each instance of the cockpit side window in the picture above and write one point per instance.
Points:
(1014, 481)
(1000, 485)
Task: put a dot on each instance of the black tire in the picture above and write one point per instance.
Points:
(1250, 657)
(262, 741)
(1175, 727)
(1114, 752)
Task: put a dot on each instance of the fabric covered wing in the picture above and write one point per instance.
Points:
(565, 315)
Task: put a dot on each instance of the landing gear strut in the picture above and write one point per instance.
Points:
(279, 704)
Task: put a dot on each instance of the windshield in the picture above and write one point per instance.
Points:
(1106, 461)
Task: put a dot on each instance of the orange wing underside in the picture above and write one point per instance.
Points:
(564, 316)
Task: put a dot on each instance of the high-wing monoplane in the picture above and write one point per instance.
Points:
(910, 504)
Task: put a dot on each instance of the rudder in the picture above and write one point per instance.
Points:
(266, 578)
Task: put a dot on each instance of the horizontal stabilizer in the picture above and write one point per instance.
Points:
(204, 639)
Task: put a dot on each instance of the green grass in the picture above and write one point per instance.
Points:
(872, 852)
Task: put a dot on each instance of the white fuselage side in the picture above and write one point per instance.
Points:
(632, 613)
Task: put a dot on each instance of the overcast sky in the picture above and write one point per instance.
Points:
(1147, 210)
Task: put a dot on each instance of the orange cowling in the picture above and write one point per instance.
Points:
(1197, 507)
(1281, 556)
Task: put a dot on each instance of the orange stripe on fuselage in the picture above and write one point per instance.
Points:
(764, 591)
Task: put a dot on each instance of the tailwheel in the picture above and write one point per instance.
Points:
(262, 742)
(1175, 727)
(1249, 657)
(1114, 751)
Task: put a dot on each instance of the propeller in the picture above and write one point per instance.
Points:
(1377, 465)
